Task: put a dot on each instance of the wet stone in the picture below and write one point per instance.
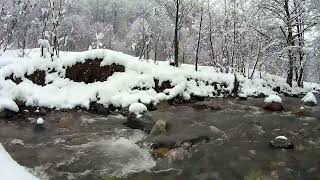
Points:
(274, 106)
(7, 114)
(159, 128)
(144, 123)
(281, 142)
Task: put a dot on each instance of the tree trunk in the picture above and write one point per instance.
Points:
(199, 39)
(211, 41)
(176, 32)
(290, 43)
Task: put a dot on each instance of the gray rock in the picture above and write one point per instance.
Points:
(281, 142)
(144, 123)
(159, 128)
(7, 113)
(274, 106)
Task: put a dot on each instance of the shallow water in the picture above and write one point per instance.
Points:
(101, 147)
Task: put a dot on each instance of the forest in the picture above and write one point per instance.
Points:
(277, 36)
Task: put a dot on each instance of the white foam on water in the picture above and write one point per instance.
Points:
(126, 157)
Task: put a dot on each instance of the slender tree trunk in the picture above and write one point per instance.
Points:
(176, 33)
(290, 43)
(211, 40)
(299, 27)
(199, 39)
(256, 63)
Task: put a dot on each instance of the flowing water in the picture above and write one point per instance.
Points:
(85, 146)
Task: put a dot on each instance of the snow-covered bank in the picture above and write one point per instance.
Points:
(10, 169)
(137, 84)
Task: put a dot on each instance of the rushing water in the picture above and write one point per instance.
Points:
(100, 147)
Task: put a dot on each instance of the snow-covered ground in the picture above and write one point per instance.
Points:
(120, 89)
(10, 169)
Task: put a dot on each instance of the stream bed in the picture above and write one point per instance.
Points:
(80, 145)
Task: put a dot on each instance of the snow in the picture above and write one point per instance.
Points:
(17, 142)
(121, 88)
(11, 170)
(309, 98)
(8, 104)
(282, 137)
(40, 121)
(137, 108)
(273, 99)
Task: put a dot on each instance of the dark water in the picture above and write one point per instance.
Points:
(99, 147)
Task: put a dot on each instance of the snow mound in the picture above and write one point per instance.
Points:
(10, 169)
(8, 104)
(137, 108)
(273, 99)
(40, 121)
(309, 99)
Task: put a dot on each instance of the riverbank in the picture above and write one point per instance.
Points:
(109, 79)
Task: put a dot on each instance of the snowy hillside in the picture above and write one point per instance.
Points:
(35, 81)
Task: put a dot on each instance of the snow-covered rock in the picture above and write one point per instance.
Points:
(281, 142)
(310, 99)
(243, 97)
(40, 121)
(273, 99)
(273, 103)
(17, 142)
(10, 169)
(137, 108)
(8, 104)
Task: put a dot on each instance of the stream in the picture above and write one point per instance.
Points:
(80, 145)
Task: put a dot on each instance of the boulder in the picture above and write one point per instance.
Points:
(309, 100)
(273, 103)
(143, 123)
(301, 112)
(99, 108)
(159, 128)
(243, 97)
(274, 106)
(6, 113)
(137, 108)
(281, 142)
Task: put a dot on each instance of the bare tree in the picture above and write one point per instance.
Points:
(199, 37)
(292, 13)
